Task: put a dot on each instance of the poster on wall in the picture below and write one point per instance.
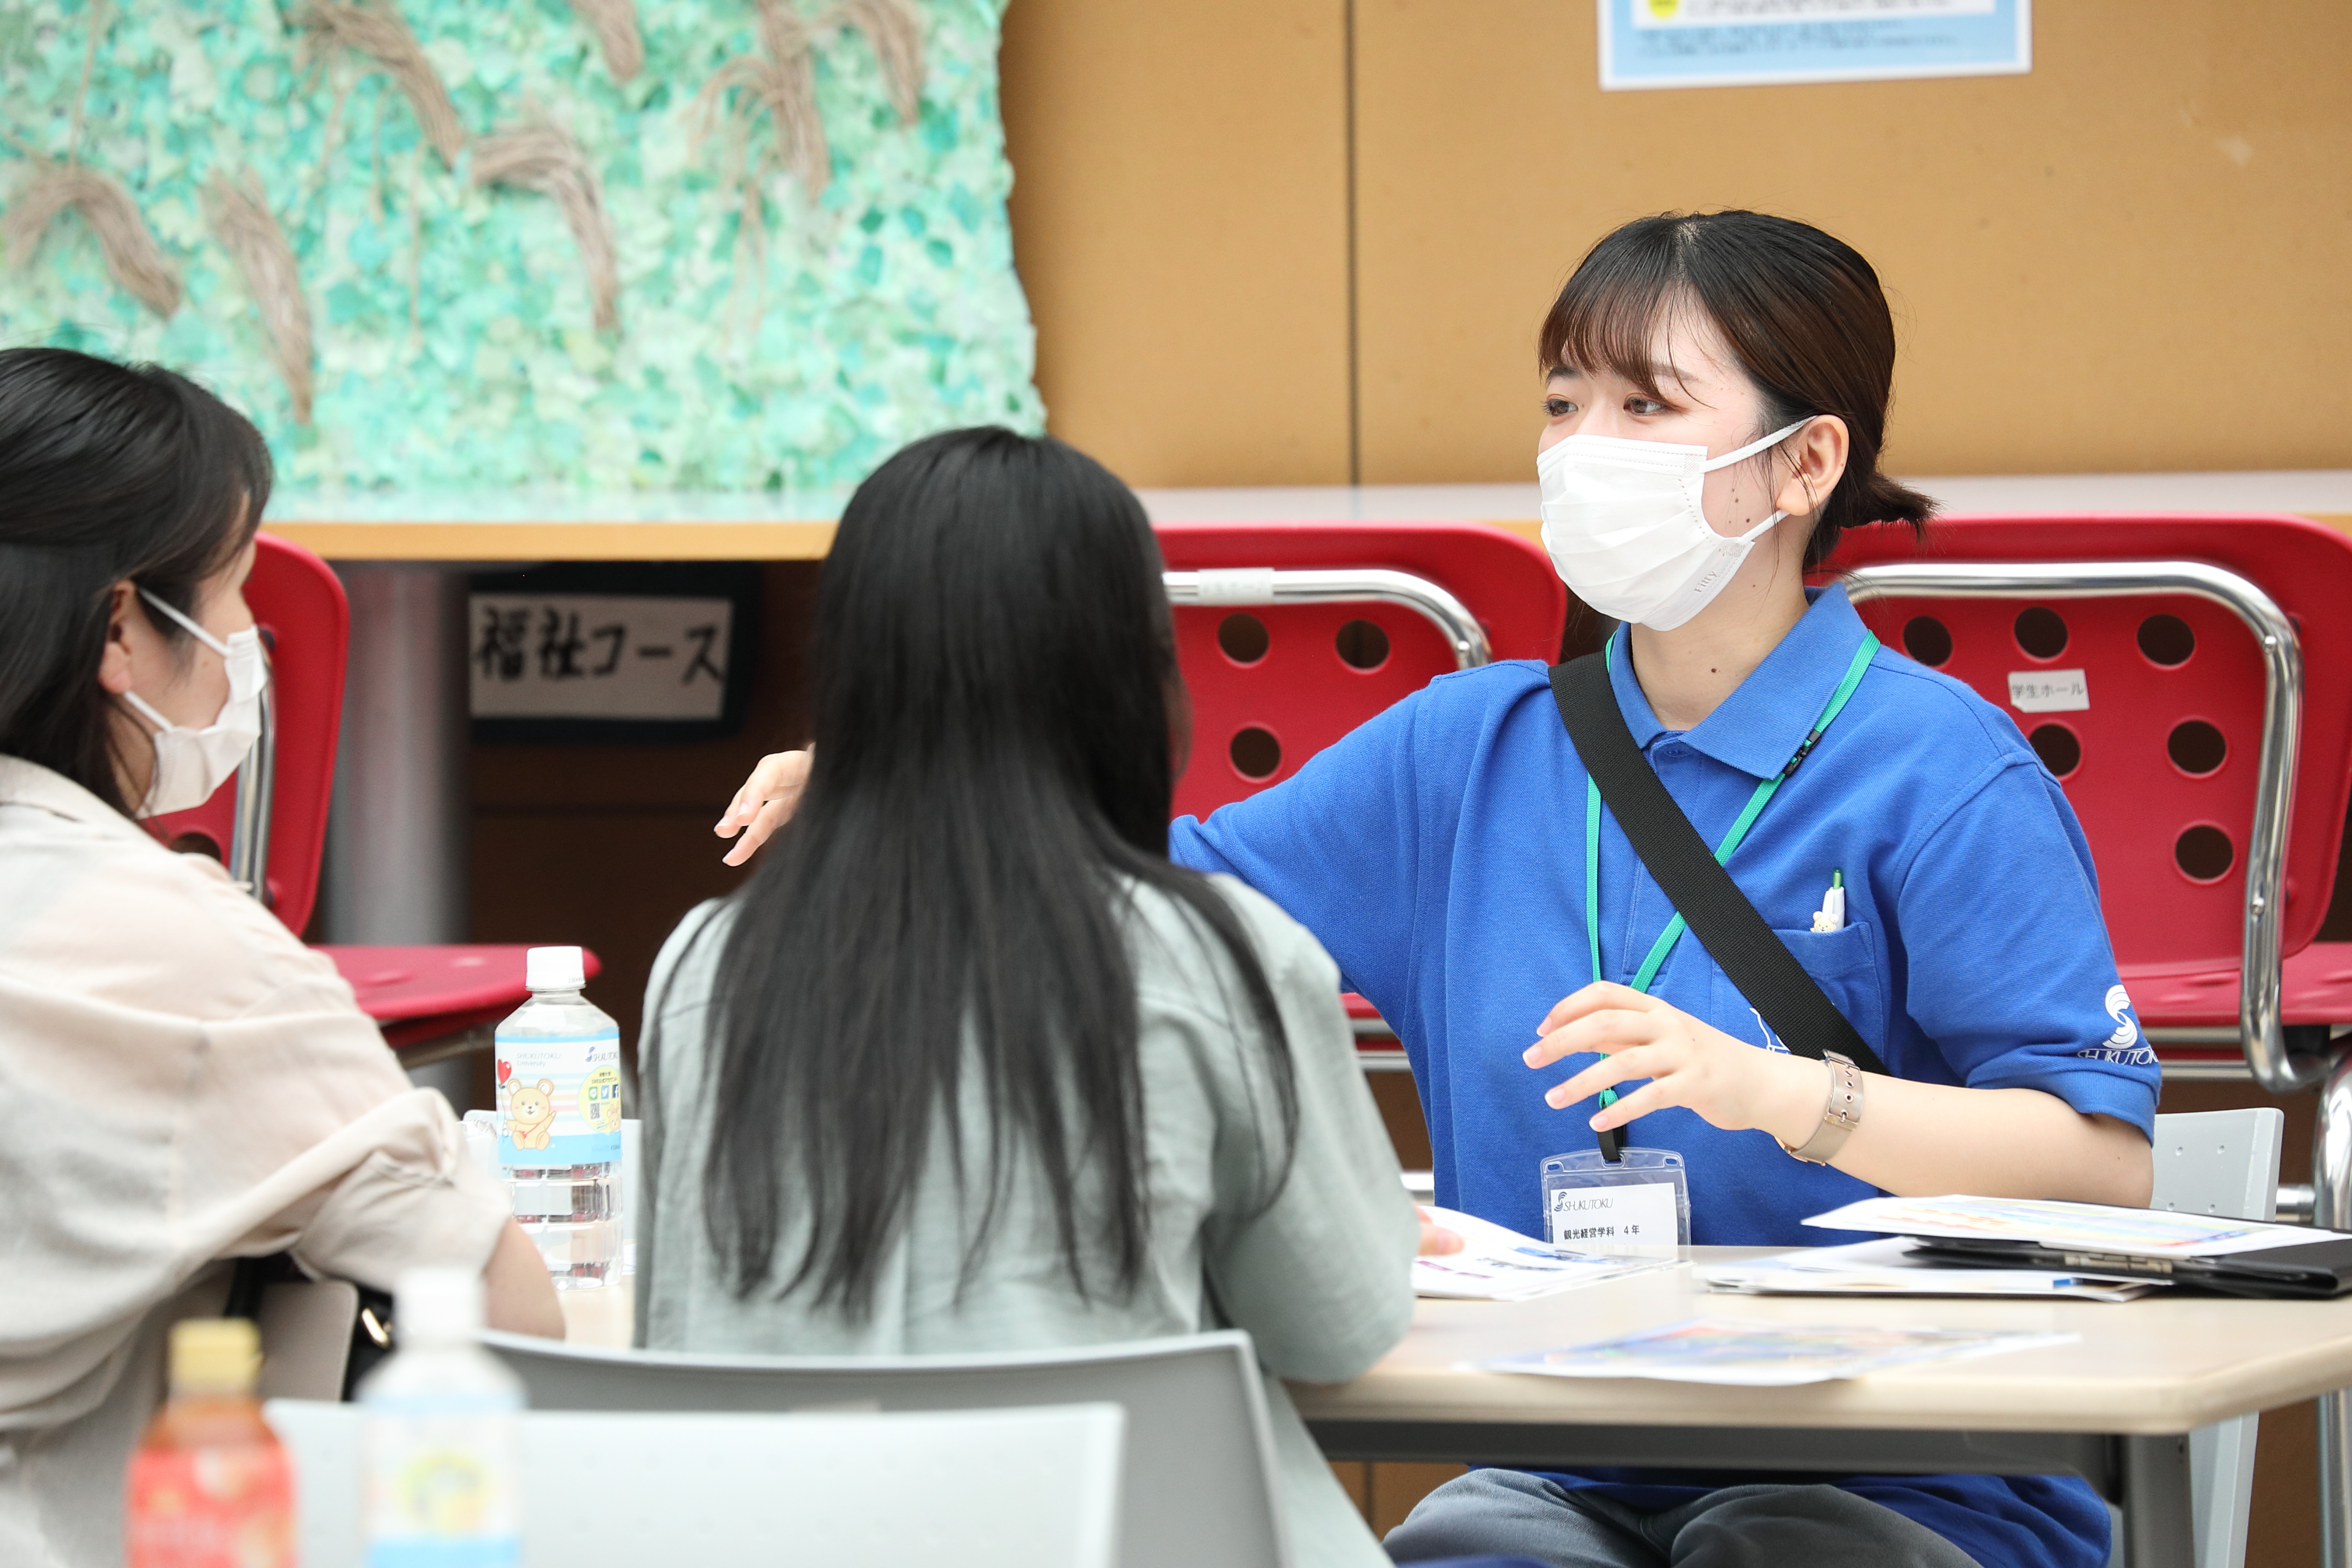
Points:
(1747, 43)
(583, 246)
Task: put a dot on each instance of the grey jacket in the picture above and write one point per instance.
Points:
(1322, 1279)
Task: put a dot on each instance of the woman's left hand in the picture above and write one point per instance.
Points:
(1730, 1083)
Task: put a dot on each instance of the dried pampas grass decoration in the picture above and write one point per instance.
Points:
(379, 33)
(243, 223)
(134, 259)
(781, 81)
(543, 157)
(897, 33)
(615, 23)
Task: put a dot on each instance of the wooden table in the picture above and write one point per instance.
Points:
(2115, 1407)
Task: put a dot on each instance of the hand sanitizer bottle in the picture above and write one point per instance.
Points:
(559, 1077)
(443, 1441)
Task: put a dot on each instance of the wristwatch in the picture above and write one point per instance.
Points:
(1840, 1116)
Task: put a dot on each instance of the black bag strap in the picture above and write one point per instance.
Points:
(1755, 960)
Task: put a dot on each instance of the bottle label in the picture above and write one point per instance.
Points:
(211, 1507)
(559, 1100)
(441, 1491)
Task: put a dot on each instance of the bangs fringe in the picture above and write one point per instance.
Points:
(1608, 319)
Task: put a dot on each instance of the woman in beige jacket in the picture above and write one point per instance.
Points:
(182, 1082)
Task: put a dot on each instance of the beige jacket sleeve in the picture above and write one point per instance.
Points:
(181, 1081)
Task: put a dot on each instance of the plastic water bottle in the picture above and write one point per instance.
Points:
(209, 1486)
(558, 1072)
(444, 1435)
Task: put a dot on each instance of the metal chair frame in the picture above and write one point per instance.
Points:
(1242, 586)
(2277, 1061)
(2276, 1066)
(257, 796)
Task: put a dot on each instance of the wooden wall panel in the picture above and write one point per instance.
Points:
(2132, 258)
(610, 845)
(1180, 220)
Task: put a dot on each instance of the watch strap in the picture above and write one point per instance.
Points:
(1840, 1113)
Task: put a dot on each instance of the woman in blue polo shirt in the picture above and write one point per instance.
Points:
(1714, 405)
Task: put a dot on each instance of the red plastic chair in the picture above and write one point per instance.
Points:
(1291, 635)
(2212, 765)
(272, 819)
(269, 825)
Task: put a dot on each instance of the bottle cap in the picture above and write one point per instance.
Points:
(214, 1355)
(437, 1306)
(554, 969)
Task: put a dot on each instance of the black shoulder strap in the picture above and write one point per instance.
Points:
(1755, 960)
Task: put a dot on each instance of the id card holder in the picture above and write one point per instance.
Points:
(1638, 1207)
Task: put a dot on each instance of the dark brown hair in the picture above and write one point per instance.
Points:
(107, 472)
(1800, 312)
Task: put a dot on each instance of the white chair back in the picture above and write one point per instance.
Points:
(2220, 1162)
(1035, 1487)
(1200, 1483)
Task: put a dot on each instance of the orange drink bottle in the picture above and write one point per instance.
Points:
(209, 1486)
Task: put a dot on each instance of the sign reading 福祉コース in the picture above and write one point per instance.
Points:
(599, 656)
(1744, 43)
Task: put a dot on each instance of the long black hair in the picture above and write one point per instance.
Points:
(994, 686)
(107, 473)
(1800, 312)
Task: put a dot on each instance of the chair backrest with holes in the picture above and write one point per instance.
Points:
(305, 622)
(2157, 750)
(1273, 684)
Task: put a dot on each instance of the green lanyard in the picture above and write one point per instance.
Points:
(1755, 808)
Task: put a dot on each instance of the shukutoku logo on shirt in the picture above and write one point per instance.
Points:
(2123, 1045)
(2119, 1009)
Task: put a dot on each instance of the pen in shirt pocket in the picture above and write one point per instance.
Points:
(1830, 916)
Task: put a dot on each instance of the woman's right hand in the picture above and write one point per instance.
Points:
(765, 803)
(1436, 1241)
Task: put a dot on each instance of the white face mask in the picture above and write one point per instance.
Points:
(1626, 530)
(192, 763)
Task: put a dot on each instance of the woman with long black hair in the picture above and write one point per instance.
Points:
(968, 1064)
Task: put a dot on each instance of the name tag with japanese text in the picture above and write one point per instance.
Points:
(2048, 690)
(1639, 1205)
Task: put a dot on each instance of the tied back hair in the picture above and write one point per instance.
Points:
(1801, 312)
(995, 677)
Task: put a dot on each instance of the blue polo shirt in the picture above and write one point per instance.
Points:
(1438, 853)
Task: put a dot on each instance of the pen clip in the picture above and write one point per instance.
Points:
(1612, 1138)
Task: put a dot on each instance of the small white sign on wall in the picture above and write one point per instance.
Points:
(2048, 690)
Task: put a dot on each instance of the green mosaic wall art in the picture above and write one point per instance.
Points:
(468, 245)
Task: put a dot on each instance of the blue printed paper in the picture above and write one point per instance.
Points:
(1742, 43)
